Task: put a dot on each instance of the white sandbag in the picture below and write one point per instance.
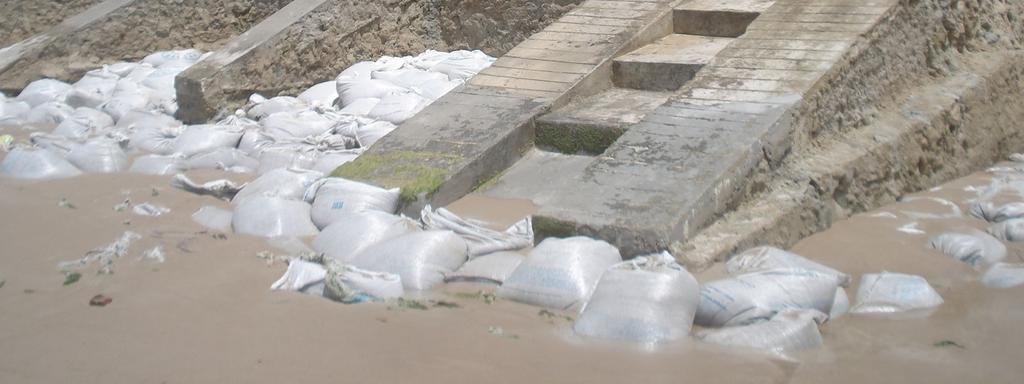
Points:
(96, 87)
(481, 240)
(398, 108)
(160, 83)
(100, 155)
(139, 73)
(435, 89)
(14, 113)
(206, 137)
(360, 107)
(323, 94)
(174, 57)
(119, 105)
(889, 292)
(261, 107)
(273, 217)
(302, 276)
(368, 134)
(253, 142)
(84, 122)
(122, 68)
(1009, 230)
(1004, 275)
(57, 144)
(995, 214)
(49, 114)
(427, 59)
(490, 268)
(222, 158)
(274, 158)
(408, 78)
(342, 240)
(44, 91)
(764, 258)
(973, 247)
(462, 65)
(36, 164)
(213, 218)
(758, 296)
(135, 120)
(360, 70)
(840, 304)
(649, 299)
(350, 90)
(560, 273)
(158, 165)
(788, 331)
(422, 259)
(335, 199)
(295, 124)
(283, 183)
(330, 161)
(348, 284)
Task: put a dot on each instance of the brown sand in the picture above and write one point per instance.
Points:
(207, 316)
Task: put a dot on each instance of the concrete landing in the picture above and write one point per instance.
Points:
(590, 125)
(666, 64)
(723, 18)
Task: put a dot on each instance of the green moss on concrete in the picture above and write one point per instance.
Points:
(577, 139)
(544, 227)
(415, 172)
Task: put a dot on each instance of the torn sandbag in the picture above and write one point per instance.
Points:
(100, 155)
(1004, 275)
(348, 284)
(422, 259)
(490, 268)
(481, 240)
(213, 218)
(1009, 230)
(104, 256)
(764, 258)
(44, 91)
(995, 214)
(649, 299)
(335, 198)
(158, 165)
(889, 292)
(36, 164)
(273, 217)
(221, 189)
(284, 183)
(757, 296)
(149, 209)
(788, 331)
(344, 239)
(973, 247)
(302, 276)
(207, 137)
(560, 273)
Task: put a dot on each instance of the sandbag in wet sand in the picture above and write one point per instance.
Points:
(560, 273)
(422, 259)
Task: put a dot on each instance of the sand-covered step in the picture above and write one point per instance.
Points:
(723, 18)
(592, 124)
(666, 64)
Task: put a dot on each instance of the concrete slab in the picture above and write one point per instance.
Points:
(590, 125)
(723, 18)
(666, 64)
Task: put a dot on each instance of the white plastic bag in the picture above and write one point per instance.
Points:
(758, 296)
(560, 273)
(343, 240)
(889, 292)
(44, 91)
(422, 259)
(490, 268)
(973, 247)
(273, 217)
(648, 299)
(213, 218)
(284, 183)
(1009, 230)
(764, 258)
(1004, 275)
(302, 276)
(36, 164)
(481, 240)
(348, 284)
(787, 331)
(100, 155)
(335, 198)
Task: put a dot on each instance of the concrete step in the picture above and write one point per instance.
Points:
(722, 18)
(592, 124)
(666, 64)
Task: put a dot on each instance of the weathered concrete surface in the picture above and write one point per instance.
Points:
(590, 125)
(666, 64)
(723, 18)
(569, 58)
(26, 18)
(131, 31)
(311, 41)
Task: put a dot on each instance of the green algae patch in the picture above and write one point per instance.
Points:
(415, 172)
(577, 139)
(545, 227)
